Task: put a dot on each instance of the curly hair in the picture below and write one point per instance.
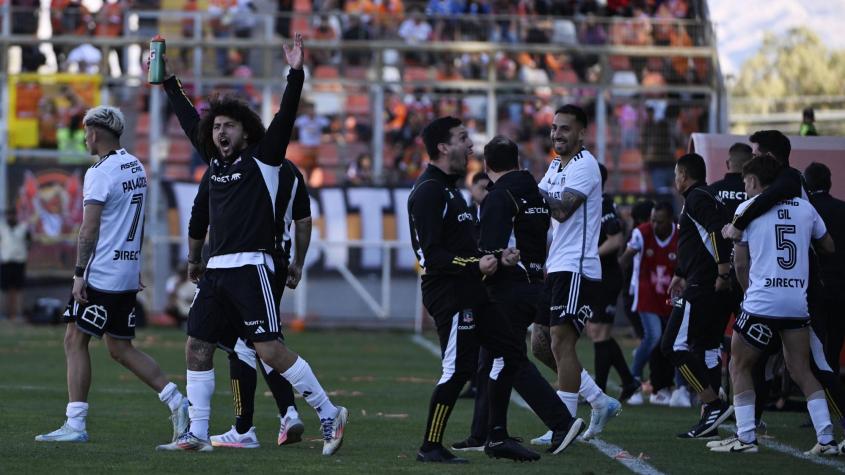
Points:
(236, 109)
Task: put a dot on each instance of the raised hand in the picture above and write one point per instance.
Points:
(294, 54)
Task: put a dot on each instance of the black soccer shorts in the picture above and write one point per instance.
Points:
(243, 301)
(112, 314)
(763, 333)
(575, 299)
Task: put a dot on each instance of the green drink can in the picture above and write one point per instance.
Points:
(156, 72)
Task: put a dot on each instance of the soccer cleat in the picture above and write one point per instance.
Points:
(842, 447)
(636, 400)
(712, 416)
(234, 439)
(544, 440)
(470, 444)
(290, 430)
(680, 398)
(439, 455)
(824, 449)
(180, 419)
(733, 444)
(65, 433)
(600, 416)
(629, 390)
(187, 442)
(510, 448)
(333, 431)
(562, 438)
(660, 398)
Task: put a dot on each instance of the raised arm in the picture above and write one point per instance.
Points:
(275, 143)
(786, 185)
(185, 111)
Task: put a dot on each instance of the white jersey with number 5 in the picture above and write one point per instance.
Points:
(575, 242)
(118, 183)
(778, 245)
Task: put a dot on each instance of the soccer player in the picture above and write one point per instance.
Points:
(656, 244)
(607, 351)
(694, 331)
(107, 276)
(455, 296)
(514, 213)
(731, 189)
(772, 266)
(293, 205)
(238, 289)
(572, 189)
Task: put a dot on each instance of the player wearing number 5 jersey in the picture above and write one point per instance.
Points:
(107, 276)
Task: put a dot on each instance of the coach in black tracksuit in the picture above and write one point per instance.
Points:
(790, 184)
(514, 213)
(455, 296)
(695, 326)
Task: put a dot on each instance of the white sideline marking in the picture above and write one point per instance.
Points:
(611, 451)
(94, 389)
(789, 450)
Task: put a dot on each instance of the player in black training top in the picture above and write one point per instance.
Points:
(293, 205)
(607, 352)
(454, 294)
(694, 332)
(514, 213)
(238, 291)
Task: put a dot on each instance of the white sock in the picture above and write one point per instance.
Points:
(744, 411)
(300, 376)
(76, 413)
(291, 413)
(171, 396)
(589, 389)
(200, 387)
(819, 414)
(570, 400)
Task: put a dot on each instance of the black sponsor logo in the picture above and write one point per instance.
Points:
(126, 255)
(135, 184)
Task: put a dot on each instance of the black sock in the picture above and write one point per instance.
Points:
(761, 388)
(500, 394)
(280, 388)
(619, 363)
(442, 401)
(243, 379)
(603, 360)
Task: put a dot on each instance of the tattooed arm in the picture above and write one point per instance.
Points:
(563, 208)
(89, 232)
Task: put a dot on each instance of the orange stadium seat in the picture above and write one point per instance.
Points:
(328, 156)
(414, 73)
(357, 104)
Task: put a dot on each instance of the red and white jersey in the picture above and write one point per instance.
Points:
(657, 260)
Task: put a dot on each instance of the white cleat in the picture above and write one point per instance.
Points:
(291, 429)
(180, 419)
(636, 400)
(65, 433)
(660, 398)
(333, 431)
(187, 442)
(680, 398)
(235, 440)
(600, 416)
(732, 444)
(544, 440)
(826, 449)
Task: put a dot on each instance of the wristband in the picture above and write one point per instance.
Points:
(79, 271)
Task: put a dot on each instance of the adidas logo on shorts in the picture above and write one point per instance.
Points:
(259, 330)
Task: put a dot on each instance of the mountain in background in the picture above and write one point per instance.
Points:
(740, 25)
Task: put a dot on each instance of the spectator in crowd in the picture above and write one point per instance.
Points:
(15, 241)
(356, 31)
(109, 21)
(360, 172)
(324, 31)
(48, 123)
(25, 14)
(220, 22)
(415, 30)
(310, 128)
(284, 9)
(69, 17)
(84, 59)
(147, 24)
(808, 123)
(188, 25)
(244, 22)
(656, 153)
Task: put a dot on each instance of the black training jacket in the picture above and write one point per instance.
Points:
(700, 243)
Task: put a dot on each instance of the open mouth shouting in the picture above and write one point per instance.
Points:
(225, 145)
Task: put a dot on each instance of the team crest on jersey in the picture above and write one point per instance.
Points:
(466, 320)
(673, 256)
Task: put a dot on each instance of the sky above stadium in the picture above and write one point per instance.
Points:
(740, 25)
